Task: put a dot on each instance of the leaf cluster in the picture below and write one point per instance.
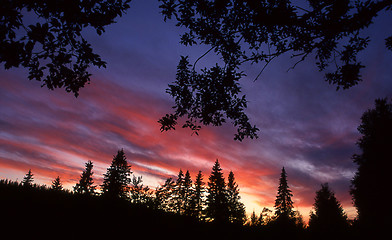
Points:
(248, 31)
(46, 37)
(208, 98)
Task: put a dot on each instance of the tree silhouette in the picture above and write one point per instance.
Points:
(179, 193)
(46, 37)
(235, 207)
(217, 205)
(165, 196)
(257, 32)
(56, 184)
(208, 107)
(85, 184)
(254, 221)
(372, 179)
(139, 194)
(328, 219)
(283, 203)
(188, 193)
(197, 198)
(28, 179)
(117, 178)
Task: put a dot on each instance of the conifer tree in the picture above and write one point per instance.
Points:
(164, 196)
(266, 216)
(283, 203)
(85, 184)
(179, 193)
(329, 218)
(188, 192)
(217, 206)
(56, 184)
(197, 199)
(117, 177)
(254, 221)
(236, 208)
(28, 179)
(139, 194)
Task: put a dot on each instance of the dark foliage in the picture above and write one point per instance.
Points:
(235, 207)
(164, 195)
(283, 203)
(56, 184)
(208, 98)
(85, 184)
(28, 179)
(371, 182)
(140, 194)
(179, 207)
(217, 208)
(247, 31)
(40, 213)
(117, 178)
(329, 220)
(197, 199)
(46, 37)
(285, 217)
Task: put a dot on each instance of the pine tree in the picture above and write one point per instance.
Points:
(254, 221)
(217, 206)
(117, 177)
(56, 184)
(283, 203)
(197, 199)
(28, 179)
(164, 196)
(329, 219)
(179, 193)
(85, 184)
(139, 194)
(266, 216)
(236, 208)
(188, 192)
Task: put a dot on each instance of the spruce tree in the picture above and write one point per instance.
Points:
(266, 216)
(283, 203)
(117, 178)
(179, 193)
(235, 207)
(85, 184)
(253, 221)
(188, 192)
(197, 199)
(217, 205)
(139, 194)
(28, 179)
(56, 184)
(328, 218)
(164, 196)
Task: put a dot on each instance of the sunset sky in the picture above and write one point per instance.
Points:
(305, 124)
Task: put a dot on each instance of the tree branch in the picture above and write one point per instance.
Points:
(209, 50)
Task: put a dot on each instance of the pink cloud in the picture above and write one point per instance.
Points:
(55, 134)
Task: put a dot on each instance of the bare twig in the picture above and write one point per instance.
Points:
(265, 65)
(209, 50)
(304, 55)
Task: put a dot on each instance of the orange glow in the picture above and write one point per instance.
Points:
(64, 133)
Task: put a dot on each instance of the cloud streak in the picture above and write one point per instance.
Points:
(305, 124)
(57, 136)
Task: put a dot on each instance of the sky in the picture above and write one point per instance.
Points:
(305, 125)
